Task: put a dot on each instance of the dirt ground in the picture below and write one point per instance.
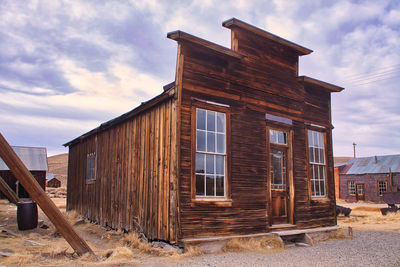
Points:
(46, 247)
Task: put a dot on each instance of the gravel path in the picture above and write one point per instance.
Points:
(366, 249)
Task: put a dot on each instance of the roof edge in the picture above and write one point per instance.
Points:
(233, 22)
(130, 114)
(329, 86)
(183, 36)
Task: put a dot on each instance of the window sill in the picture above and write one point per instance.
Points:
(320, 199)
(217, 202)
(90, 181)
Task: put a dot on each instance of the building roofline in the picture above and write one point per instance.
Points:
(329, 86)
(233, 22)
(128, 115)
(183, 36)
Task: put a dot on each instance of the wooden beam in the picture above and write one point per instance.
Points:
(8, 192)
(183, 36)
(30, 184)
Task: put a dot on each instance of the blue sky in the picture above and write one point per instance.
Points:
(67, 66)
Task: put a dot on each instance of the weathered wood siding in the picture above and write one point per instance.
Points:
(263, 82)
(134, 174)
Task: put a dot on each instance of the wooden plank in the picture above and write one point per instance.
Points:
(8, 192)
(19, 170)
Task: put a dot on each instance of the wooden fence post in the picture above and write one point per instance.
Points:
(8, 192)
(30, 184)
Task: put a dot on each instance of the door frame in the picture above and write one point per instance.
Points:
(289, 173)
(363, 188)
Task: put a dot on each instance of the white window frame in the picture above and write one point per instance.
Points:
(381, 187)
(317, 176)
(213, 153)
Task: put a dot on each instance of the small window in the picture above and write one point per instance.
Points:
(351, 188)
(91, 167)
(316, 157)
(382, 187)
(210, 153)
(277, 137)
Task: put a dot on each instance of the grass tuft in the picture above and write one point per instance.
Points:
(269, 243)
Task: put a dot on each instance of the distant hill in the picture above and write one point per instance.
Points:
(58, 165)
(341, 159)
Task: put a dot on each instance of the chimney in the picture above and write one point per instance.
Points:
(376, 159)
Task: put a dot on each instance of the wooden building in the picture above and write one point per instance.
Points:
(52, 181)
(238, 144)
(369, 178)
(35, 159)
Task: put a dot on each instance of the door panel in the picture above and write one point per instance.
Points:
(278, 185)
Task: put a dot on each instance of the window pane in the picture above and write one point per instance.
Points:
(220, 162)
(210, 185)
(210, 120)
(201, 119)
(201, 141)
(311, 155)
(276, 167)
(272, 136)
(210, 164)
(310, 139)
(200, 163)
(221, 122)
(220, 185)
(322, 188)
(321, 156)
(200, 185)
(316, 155)
(281, 138)
(221, 143)
(210, 142)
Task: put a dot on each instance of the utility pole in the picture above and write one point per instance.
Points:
(354, 149)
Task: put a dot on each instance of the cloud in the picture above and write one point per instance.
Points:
(67, 66)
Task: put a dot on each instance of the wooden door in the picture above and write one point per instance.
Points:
(360, 192)
(279, 186)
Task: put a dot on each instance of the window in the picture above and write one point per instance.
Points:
(278, 158)
(316, 157)
(91, 167)
(382, 187)
(277, 137)
(210, 158)
(351, 188)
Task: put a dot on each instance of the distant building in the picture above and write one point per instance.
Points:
(52, 181)
(35, 159)
(368, 178)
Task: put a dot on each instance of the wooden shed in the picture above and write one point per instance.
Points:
(368, 178)
(35, 159)
(238, 144)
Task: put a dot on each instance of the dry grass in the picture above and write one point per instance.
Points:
(269, 243)
(337, 235)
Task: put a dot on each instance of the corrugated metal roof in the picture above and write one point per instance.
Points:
(375, 164)
(34, 158)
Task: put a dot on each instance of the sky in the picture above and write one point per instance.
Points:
(68, 66)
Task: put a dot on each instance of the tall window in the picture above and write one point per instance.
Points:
(91, 167)
(351, 188)
(382, 187)
(210, 153)
(316, 154)
(278, 159)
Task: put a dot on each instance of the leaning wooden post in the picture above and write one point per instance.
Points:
(8, 192)
(30, 184)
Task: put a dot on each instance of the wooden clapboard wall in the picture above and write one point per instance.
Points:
(136, 166)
